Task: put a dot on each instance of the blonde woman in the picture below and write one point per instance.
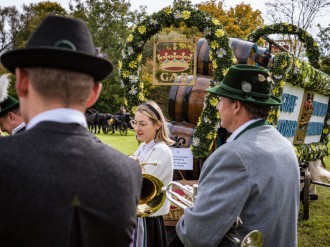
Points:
(150, 127)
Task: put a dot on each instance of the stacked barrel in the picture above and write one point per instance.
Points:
(185, 103)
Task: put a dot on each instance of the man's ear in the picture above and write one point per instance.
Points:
(22, 82)
(238, 106)
(94, 94)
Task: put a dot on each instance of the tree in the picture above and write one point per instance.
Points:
(110, 22)
(301, 13)
(324, 40)
(238, 21)
(10, 26)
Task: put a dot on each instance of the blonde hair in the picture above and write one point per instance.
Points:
(155, 114)
(67, 86)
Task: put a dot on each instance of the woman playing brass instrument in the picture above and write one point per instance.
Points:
(149, 125)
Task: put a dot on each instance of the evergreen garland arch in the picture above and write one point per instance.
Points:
(221, 56)
(312, 49)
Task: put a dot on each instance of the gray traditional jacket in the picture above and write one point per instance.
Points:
(255, 177)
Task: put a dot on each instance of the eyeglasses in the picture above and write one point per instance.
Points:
(139, 125)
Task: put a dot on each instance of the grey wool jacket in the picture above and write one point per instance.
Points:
(60, 186)
(255, 177)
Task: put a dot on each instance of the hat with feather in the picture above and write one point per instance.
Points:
(7, 103)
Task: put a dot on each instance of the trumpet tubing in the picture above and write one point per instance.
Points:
(252, 239)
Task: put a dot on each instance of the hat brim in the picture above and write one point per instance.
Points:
(76, 61)
(4, 111)
(218, 90)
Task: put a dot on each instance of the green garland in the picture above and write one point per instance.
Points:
(221, 56)
(312, 49)
(287, 68)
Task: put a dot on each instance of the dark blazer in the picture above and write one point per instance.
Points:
(60, 186)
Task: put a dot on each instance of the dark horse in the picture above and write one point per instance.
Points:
(97, 121)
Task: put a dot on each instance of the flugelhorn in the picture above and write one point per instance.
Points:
(252, 239)
(152, 197)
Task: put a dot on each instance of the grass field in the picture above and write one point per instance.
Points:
(313, 232)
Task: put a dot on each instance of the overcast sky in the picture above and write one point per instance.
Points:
(156, 5)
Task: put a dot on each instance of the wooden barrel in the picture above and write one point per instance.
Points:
(204, 64)
(243, 51)
(185, 103)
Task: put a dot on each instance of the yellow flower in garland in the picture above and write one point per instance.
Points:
(214, 64)
(225, 71)
(210, 135)
(130, 38)
(139, 58)
(211, 55)
(325, 131)
(214, 101)
(313, 147)
(132, 64)
(276, 91)
(120, 64)
(125, 74)
(141, 85)
(142, 29)
(214, 45)
(219, 33)
(315, 44)
(289, 28)
(284, 64)
(298, 63)
(282, 83)
(215, 21)
(186, 14)
(141, 96)
(134, 109)
(168, 11)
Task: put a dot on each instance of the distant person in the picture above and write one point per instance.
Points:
(150, 127)
(253, 176)
(60, 186)
(10, 117)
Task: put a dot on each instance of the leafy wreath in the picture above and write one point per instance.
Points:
(221, 56)
(312, 49)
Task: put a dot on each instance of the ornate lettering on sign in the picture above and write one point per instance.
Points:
(287, 127)
(174, 60)
(306, 112)
(314, 129)
(320, 109)
(288, 102)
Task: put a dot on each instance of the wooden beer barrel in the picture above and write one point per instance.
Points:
(204, 64)
(185, 103)
(243, 50)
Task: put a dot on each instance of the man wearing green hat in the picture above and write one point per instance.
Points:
(10, 117)
(253, 176)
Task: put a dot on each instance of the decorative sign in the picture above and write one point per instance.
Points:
(290, 110)
(306, 112)
(182, 159)
(174, 60)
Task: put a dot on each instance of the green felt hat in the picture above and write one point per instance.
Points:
(247, 83)
(8, 105)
